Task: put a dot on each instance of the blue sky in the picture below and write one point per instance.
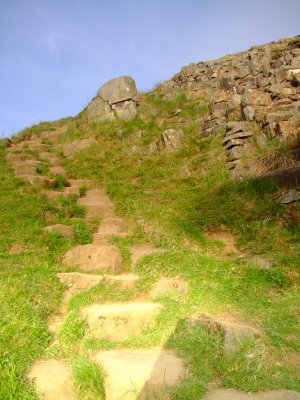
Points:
(55, 54)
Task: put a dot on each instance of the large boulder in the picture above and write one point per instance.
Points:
(118, 89)
(116, 98)
(99, 110)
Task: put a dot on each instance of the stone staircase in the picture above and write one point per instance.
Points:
(130, 374)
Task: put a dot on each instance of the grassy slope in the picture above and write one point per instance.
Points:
(168, 199)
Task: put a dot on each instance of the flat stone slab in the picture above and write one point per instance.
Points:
(167, 285)
(78, 282)
(92, 257)
(53, 380)
(96, 208)
(64, 230)
(231, 394)
(72, 190)
(58, 171)
(117, 322)
(52, 194)
(124, 281)
(140, 374)
(138, 252)
(111, 226)
(27, 167)
(38, 180)
(81, 182)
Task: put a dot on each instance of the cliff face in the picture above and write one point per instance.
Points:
(255, 93)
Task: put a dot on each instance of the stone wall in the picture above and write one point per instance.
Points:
(251, 92)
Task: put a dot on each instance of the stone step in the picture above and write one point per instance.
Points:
(117, 322)
(140, 374)
(52, 136)
(81, 182)
(58, 171)
(112, 226)
(235, 334)
(138, 252)
(91, 257)
(53, 159)
(52, 195)
(27, 167)
(232, 394)
(53, 380)
(78, 282)
(38, 180)
(71, 190)
(124, 281)
(64, 230)
(96, 208)
(99, 239)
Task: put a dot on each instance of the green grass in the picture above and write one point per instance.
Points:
(168, 200)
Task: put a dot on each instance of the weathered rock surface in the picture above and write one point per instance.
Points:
(53, 380)
(260, 86)
(118, 89)
(28, 167)
(116, 98)
(64, 230)
(58, 171)
(117, 322)
(111, 226)
(91, 257)
(138, 252)
(140, 374)
(289, 197)
(235, 334)
(167, 285)
(231, 394)
(124, 281)
(173, 139)
(99, 110)
(77, 281)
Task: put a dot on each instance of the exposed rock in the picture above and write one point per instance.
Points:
(53, 380)
(235, 335)
(167, 285)
(27, 167)
(140, 374)
(117, 322)
(289, 197)
(124, 281)
(99, 110)
(38, 180)
(126, 110)
(118, 89)
(173, 139)
(51, 194)
(64, 230)
(112, 226)
(71, 148)
(255, 98)
(91, 257)
(138, 252)
(77, 281)
(232, 394)
(58, 171)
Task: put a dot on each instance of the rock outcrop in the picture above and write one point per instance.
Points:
(116, 98)
(258, 90)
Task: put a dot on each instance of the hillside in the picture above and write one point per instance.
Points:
(150, 246)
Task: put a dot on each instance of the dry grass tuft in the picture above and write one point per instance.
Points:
(274, 160)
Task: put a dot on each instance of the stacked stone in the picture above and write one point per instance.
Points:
(261, 85)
